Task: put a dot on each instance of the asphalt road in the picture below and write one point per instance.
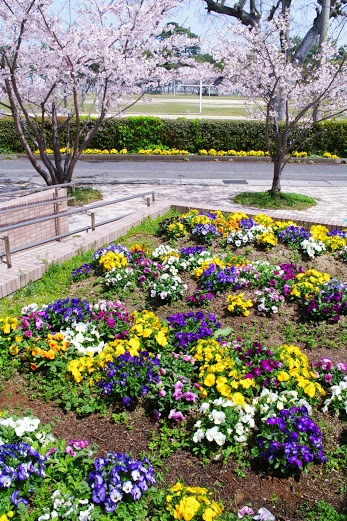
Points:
(19, 172)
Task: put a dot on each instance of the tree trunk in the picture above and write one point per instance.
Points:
(276, 181)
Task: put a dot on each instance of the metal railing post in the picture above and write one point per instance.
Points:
(6, 240)
(148, 201)
(56, 212)
(92, 217)
(153, 197)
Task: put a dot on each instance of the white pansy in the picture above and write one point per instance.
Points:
(198, 436)
(218, 417)
(204, 407)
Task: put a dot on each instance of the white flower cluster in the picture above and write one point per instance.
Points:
(338, 398)
(84, 337)
(243, 237)
(167, 287)
(268, 403)
(21, 425)
(163, 251)
(121, 278)
(28, 429)
(178, 263)
(218, 425)
(312, 247)
(64, 508)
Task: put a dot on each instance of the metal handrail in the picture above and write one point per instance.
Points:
(58, 236)
(39, 189)
(34, 205)
(84, 209)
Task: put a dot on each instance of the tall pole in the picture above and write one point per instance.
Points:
(200, 98)
(325, 21)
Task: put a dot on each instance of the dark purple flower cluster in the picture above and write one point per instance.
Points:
(19, 464)
(260, 362)
(205, 232)
(246, 224)
(291, 440)
(200, 298)
(330, 302)
(210, 215)
(119, 477)
(191, 250)
(64, 312)
(129, 377)
(191, 327)
(282, 279)
(217, 279)
(293, 235)
(81, 273)
(338, 233)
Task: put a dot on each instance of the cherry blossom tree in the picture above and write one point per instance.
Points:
(61, 72)
(255, 14)
(289, 96)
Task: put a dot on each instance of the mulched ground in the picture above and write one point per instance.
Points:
(280, 495)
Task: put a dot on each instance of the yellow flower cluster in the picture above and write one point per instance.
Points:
(297, 368)
(232, 152)
(330, 156)
(88, 151)
(238, 305)
(177, 229)
(6, 517)
(113, 260)
(267, 240)
(299, 154)
(192, 503)
(160, 152)
(8, 324)
(318, 232)
(263, 219)
(309, 283)
(149, 327)
(331, 242)
(217, 372)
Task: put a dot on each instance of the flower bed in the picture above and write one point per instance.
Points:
(201, 383)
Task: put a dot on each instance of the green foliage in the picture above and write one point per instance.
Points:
(138, 132)
(280, 200)
(321, 511)
(165, 442)
(84, 195)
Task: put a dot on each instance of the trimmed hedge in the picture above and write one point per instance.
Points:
(134, 133)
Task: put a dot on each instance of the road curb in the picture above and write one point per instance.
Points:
(185, 158)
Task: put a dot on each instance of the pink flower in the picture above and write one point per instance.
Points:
(190, 397)
(326, 364)
(245, 511)
(177, 416)
(162, 393)
(342, 366)
(328, 377)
